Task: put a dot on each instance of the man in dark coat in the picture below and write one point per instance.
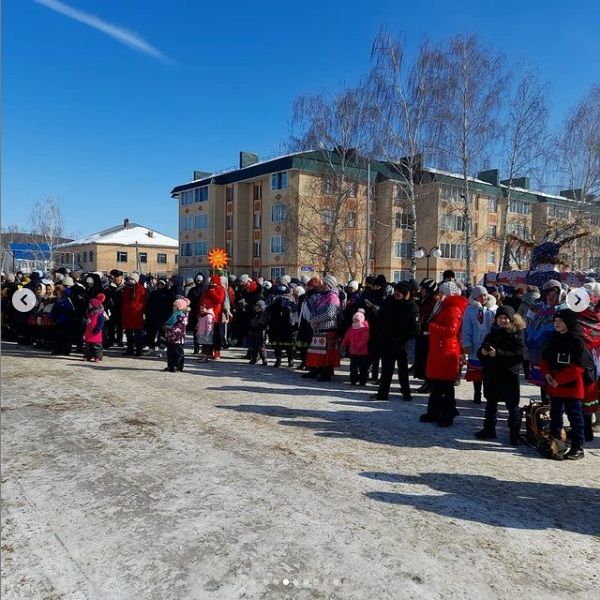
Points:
(194, 294)
(158, 310)
(114, 299)
(398, 320)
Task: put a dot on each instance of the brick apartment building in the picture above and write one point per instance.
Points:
(280, 216)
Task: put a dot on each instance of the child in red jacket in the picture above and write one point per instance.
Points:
(357, 341)
(564, 363)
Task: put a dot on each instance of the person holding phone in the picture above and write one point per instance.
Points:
(501, 354)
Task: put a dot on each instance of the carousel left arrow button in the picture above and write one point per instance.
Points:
(23, 300)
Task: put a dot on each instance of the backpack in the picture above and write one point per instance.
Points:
(537, 421)
(550, 447)
(537, 432)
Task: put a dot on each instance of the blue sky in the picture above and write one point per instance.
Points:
(110, 128)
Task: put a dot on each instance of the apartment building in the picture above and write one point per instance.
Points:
(127, 247)
(334, 211)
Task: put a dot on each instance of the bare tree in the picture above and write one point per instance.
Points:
(402, 94)
(578, 147)
(473, 83)
(525, 142)
(47, 228)
(335, 129)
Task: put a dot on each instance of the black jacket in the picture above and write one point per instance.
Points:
(398, 322)
(501, 372)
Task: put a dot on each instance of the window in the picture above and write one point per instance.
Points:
(403, 249)
(278, 212)
(91, 256)
(121, 256)
(200, 248)
(187, 249)
(185, 223)
(187, 197)
(461, 276)
(518, 229)
(229, 222)
(519, 207)
(458, 251)
(349, 249)
(492, 205)
(277, 272)
(491, 257)
(352, 190)
(229, 249)
(560, 212)
(351, 220)
(257, 191)
(403, 275)
(256, 250)
(327, 217)
(491, 232)
(451, 194)
(229, 194)
(201, 221)
(277, 244)
(78, 257)
(143, 257)
(201, 194)
(161, 258)
(279, 181)
(403, 220)
(257, 220)
(452, 223)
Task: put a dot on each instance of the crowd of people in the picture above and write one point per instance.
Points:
(429, 330)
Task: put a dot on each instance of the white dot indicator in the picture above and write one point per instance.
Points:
(286, 582)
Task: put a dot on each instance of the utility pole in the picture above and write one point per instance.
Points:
(137, 256)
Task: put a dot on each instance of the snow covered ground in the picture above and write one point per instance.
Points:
(227, 481)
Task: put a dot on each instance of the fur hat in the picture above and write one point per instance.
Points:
(68, 281)
(449, 288)
(352, 285)
(181, 303)
(10, 278)
(135, 276)
(478, 290)
(330, 281)
(304, 279)
(299, 291)
(267, 285)
(244, 278)
(286, 279)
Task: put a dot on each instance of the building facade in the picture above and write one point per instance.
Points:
(127, 247)
(336, 212)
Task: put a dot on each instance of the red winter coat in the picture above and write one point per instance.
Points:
(357, 340)
(443, 359)
(213, 298)
(133, 303)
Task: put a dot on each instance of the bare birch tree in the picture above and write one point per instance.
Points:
(402, 94)
(525, 142)
(474, 81)
(578, 147)
(335, 128)
(47, 227)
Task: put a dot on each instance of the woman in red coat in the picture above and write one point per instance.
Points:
(214, 297)
(133, 304)
(443, 359)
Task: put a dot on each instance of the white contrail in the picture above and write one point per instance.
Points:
(129, 38)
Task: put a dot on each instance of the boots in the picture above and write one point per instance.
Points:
(477, 392)
(487, 433)
(515, 439)
(575, 452)
(588, 430)
(425, 388)
(290, 357)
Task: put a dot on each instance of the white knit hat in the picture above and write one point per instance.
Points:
(286, 279)
(449, 288)
(352, 285)
(330, 281)
(135, 276)
(244, 278)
